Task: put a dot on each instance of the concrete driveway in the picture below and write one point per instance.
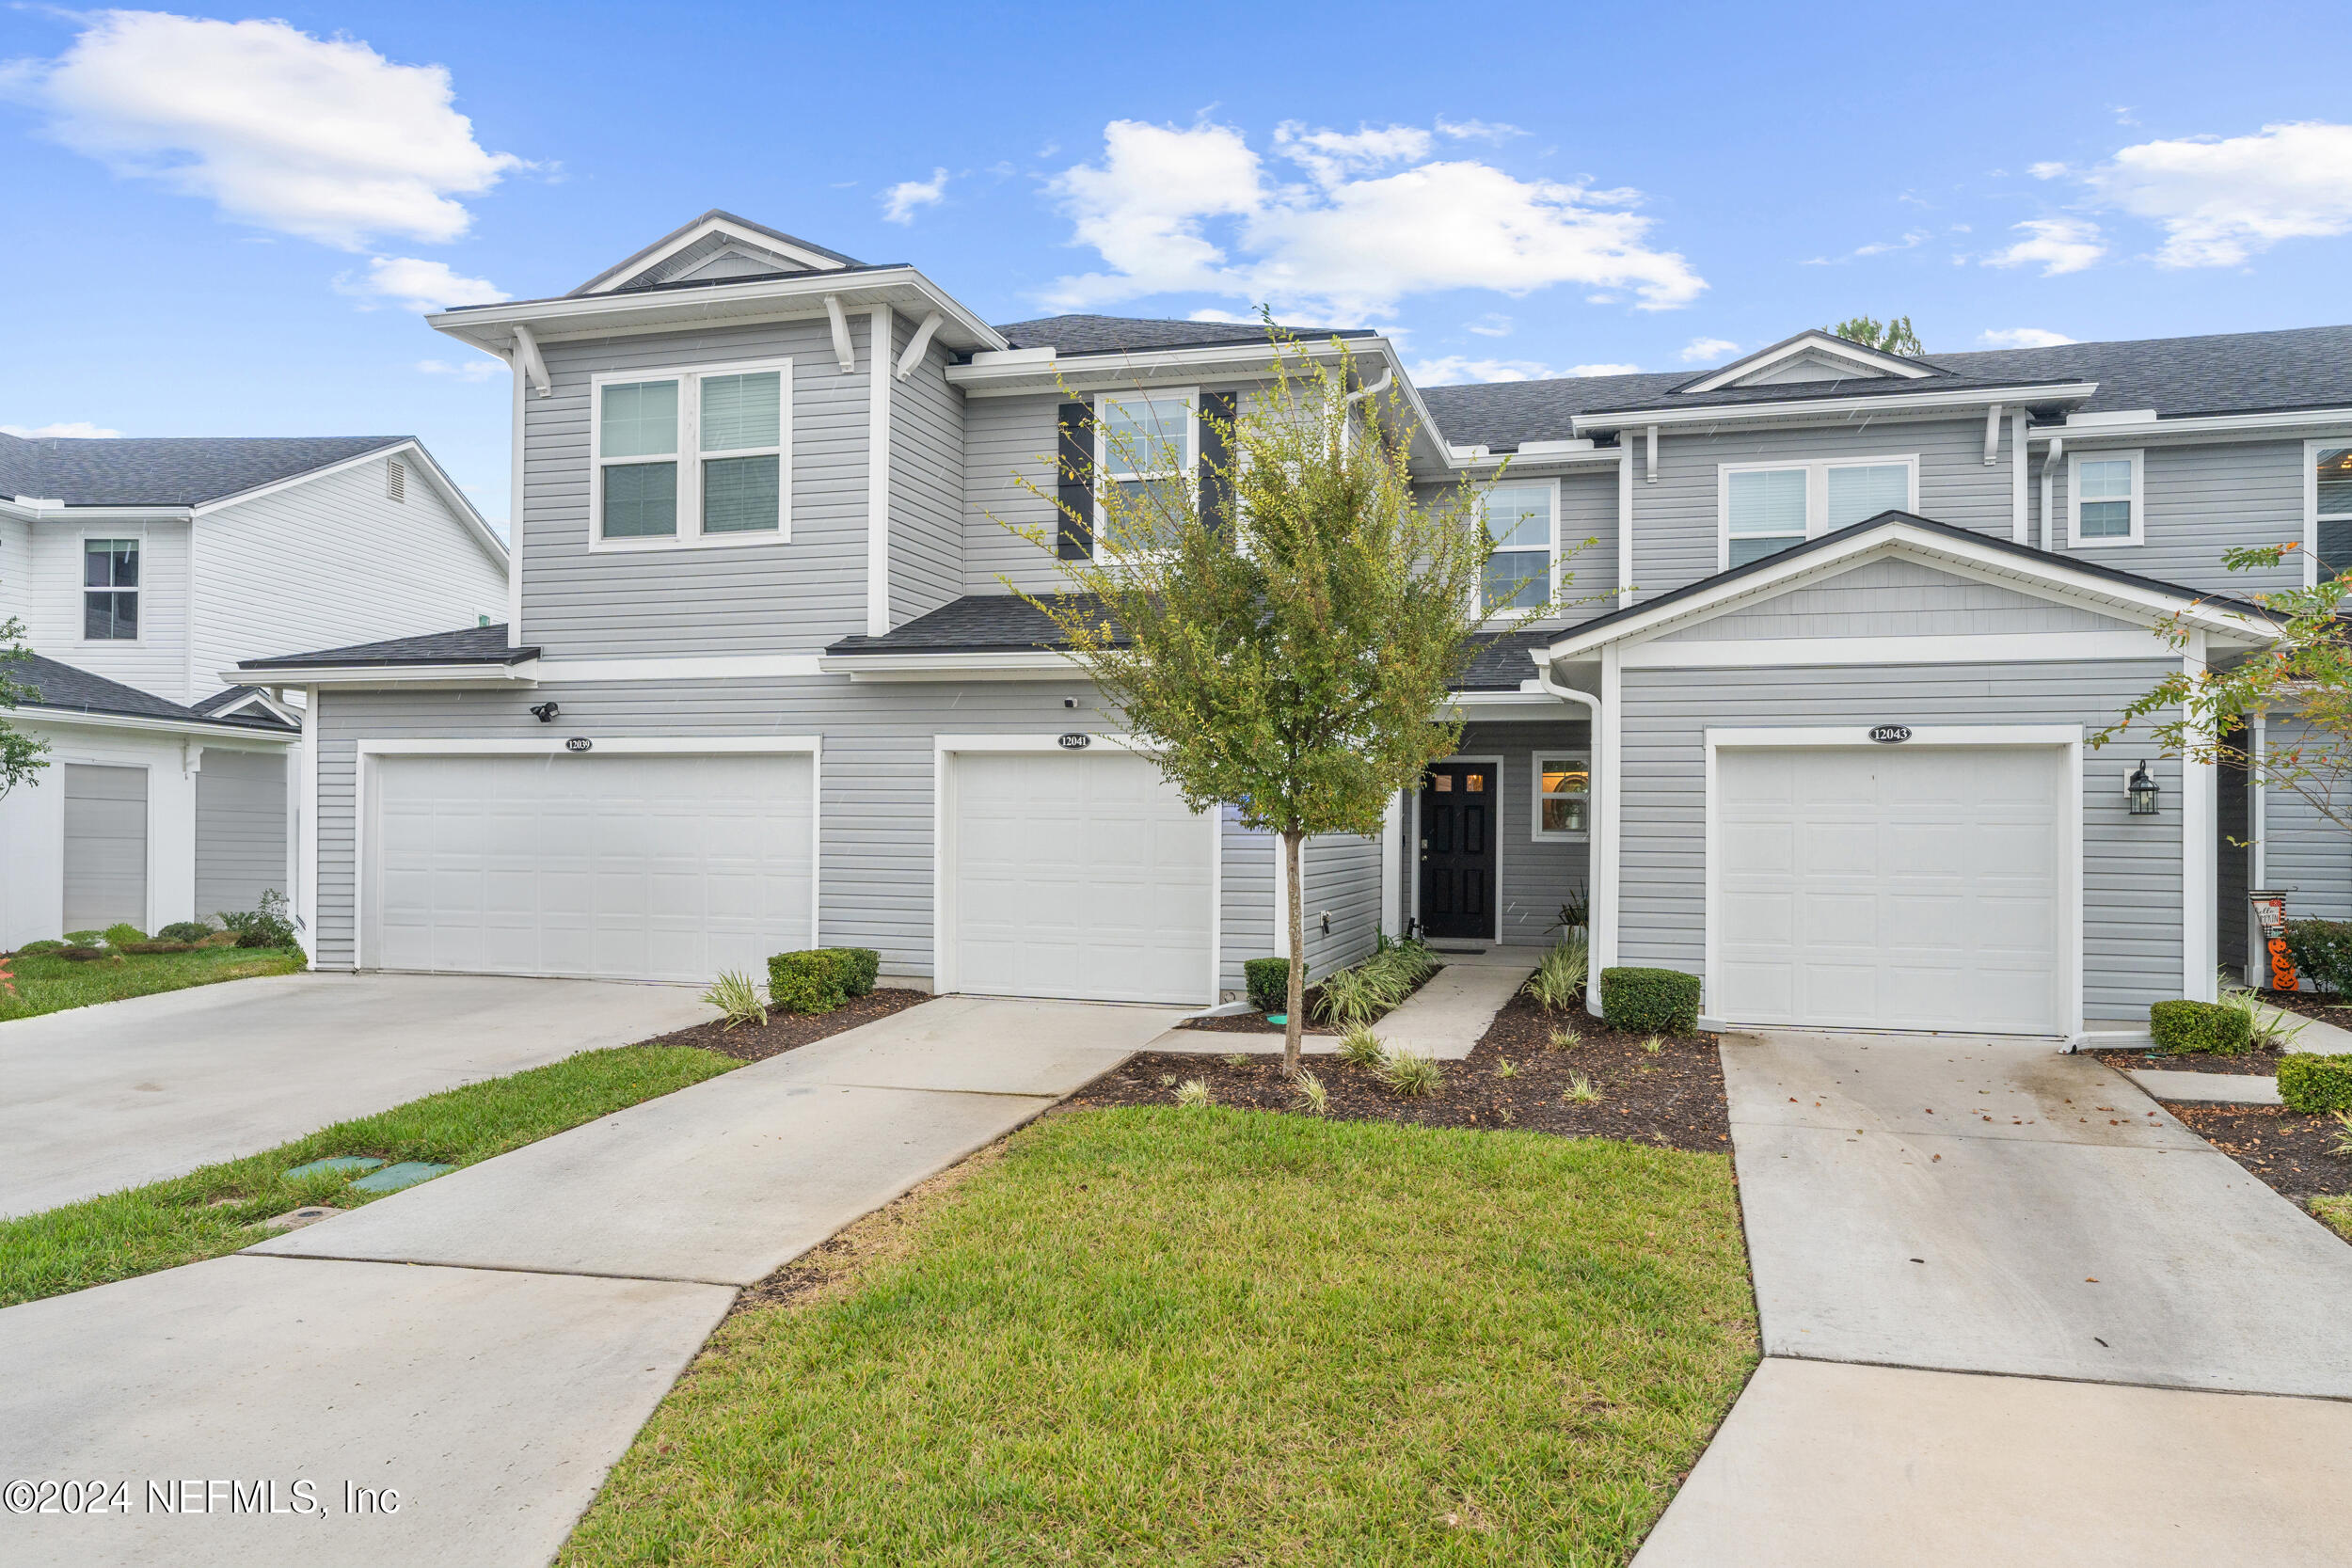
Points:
(488, 1344)
(99, 1099)
(2012, 1309)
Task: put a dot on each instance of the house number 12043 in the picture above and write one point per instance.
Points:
(1891, 734)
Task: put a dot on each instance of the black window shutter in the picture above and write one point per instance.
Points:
(1074, 537)
(1218, 412)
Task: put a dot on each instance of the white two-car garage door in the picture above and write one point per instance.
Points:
(1076, 874)
(1893, 888)
(616, 866)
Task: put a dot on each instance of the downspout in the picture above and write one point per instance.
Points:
(2049, 467)
(1603, 849)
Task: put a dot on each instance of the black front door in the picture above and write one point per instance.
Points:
(1457, 850)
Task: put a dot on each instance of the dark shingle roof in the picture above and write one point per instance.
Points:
(2233, 373)
(1136, 333)
(61, 685)
(182, 471)
(1002, 623)
(469, 645)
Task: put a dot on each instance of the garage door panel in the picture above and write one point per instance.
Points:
(661, 867)
(1924, 888)
(1077, 875)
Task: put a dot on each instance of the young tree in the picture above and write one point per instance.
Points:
(21, 756)
(1285, 634)
(2307, 673)
(1892, 336)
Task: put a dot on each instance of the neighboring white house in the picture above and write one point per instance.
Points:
(143, 568)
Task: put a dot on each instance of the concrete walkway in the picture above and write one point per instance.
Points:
(109, 1097)
(2218, 1088)
(1445, 1019)
(487, 1344)
(1920, 1208)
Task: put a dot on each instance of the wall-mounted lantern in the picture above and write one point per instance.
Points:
(2141, 788)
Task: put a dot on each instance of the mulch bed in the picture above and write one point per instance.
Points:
(2325, 1005)
(1255, 1024)
(1674, 1098)
(783, 1032)
(2263, 1064)
(2291, 1151)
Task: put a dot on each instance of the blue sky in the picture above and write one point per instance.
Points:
(227, 230)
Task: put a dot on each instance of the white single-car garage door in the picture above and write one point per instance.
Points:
(1078, 875)
(611, 866)
(1893, 888)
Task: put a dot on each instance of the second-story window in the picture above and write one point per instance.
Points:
(110, 590)
(2103, 499)
(1146, 450)
(1767, 507)
(697, 458)
(2331, 510)
(1519, 521)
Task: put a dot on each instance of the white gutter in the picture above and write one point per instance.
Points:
(32, 713)
(2201, 425)
(2049, 528)
(525, 672)
(1601, 861)
(1031, 664)
(1907, 403)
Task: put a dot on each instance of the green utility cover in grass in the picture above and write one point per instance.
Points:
(341, 1165)
(391, 1179)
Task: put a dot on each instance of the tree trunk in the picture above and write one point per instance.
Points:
(1294, 1033)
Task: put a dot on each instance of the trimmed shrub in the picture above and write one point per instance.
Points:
(267, 927)
(808, 981)
(865, 967)
(1269, 982)
(1650, 1000)
(125, 934)
(84, 939)
(184, 930)
(2313, 1084)
(44, 945)
(2214, 1026)
(2322, 950)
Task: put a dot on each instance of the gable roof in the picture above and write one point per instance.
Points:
(2231, 372)
(693, 243)
(467, 645)
(1842, 358)
(2023, 561)
(1133, 334)
(63, 687)
(119, 471)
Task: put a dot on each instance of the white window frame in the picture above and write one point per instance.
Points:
(82, 590)
(1816, 491)
(2312, 517)
(1189, 473)
(689, 456)
(1538, 794)
(2075, 540)
(1551, 547)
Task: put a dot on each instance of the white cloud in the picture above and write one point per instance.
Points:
(1171, 210)
(2222, 200)
(1477, 130)
(68, 429)
(2057, 245)
(1492, 324)
(465, 370)
(323, 138)
(901, 201)
(1456, 369)
(417, 285)
(1604, 370)
(2022, 336)
(1701, 351)
(1881, 248)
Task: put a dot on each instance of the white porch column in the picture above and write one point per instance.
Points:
(1393, 868)
(2200, 829)
(1608, 820)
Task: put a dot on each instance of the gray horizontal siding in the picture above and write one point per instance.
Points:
(1893, 597)
(1675, 519)
(926, 483)
(793, 595)
(2203, 499)
(2304, 855)
(1008, 440)
(2132, 929)
(1342, 878)
(240, 830)
(1246, 930)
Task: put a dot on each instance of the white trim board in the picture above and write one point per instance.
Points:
(2046, 647)
(366, 752)
(947, 747)
(1856, 737)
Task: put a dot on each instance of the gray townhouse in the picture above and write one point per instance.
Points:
(1811, 722)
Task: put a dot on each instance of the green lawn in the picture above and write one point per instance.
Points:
(1170, 1337)
(48, 984)
(170, 1222)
